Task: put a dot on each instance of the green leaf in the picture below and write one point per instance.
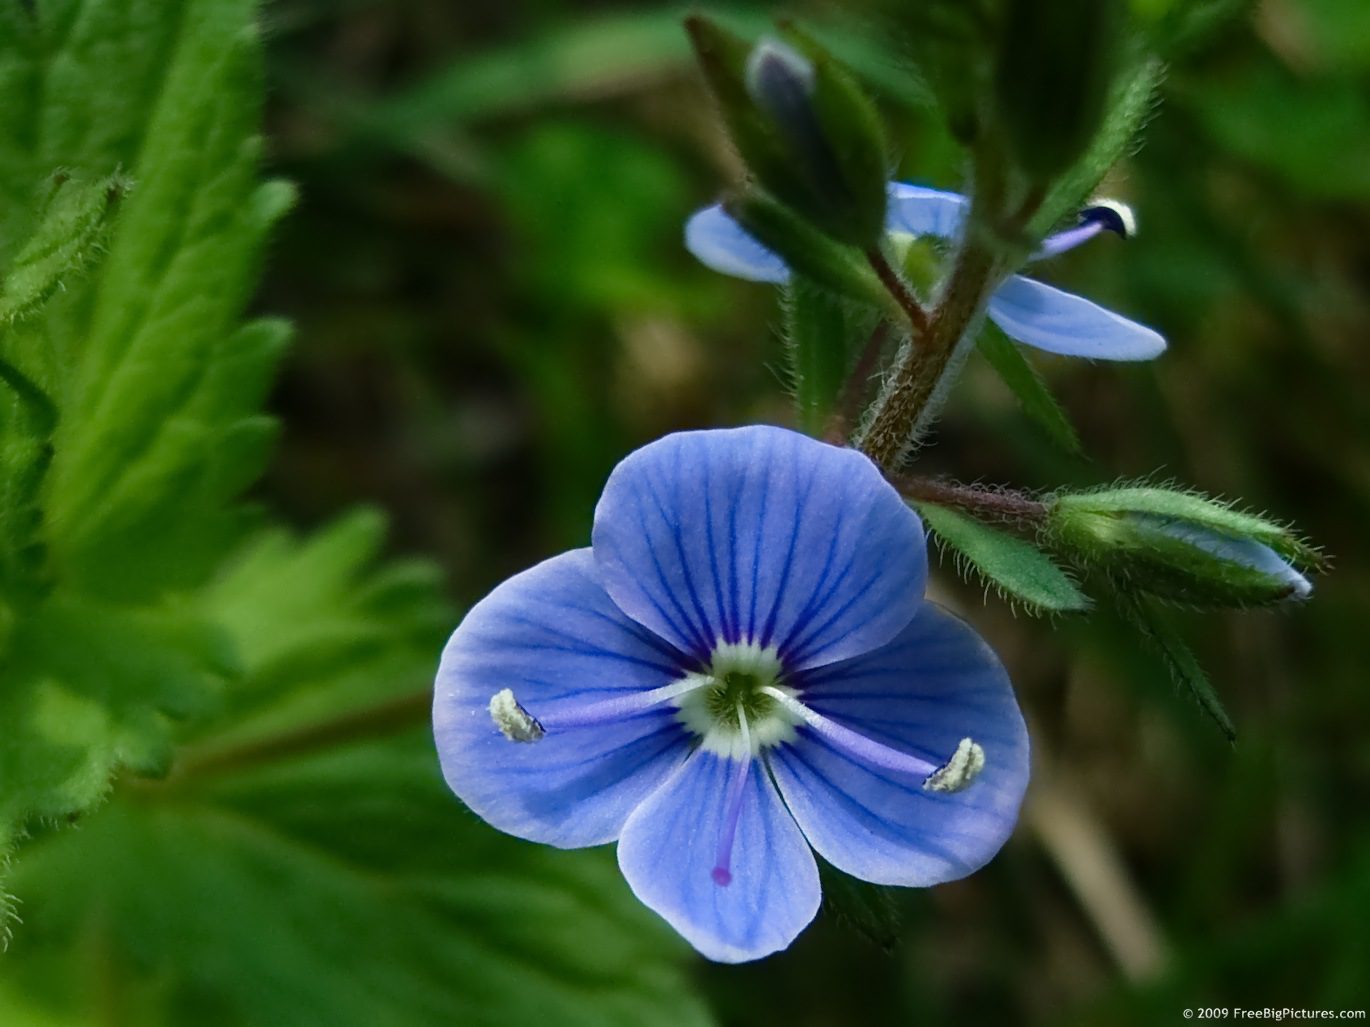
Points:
(304, 861)
(1179, 659)
(73, 227)
(1023, 381)
(129, 390)
(1018, 570)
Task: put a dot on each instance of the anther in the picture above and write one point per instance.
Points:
(516, 723)
(959, 771)
(1113, 216)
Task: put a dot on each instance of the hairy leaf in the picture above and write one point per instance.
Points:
(304, 863)
(1017, 569)
(1022, 378)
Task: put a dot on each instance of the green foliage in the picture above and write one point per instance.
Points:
(1179, 660)
(130, 391)
(1018, 570)
(305, 863)
(1036, 399)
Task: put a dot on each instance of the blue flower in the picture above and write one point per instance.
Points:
(1028, 311)
(741, 666)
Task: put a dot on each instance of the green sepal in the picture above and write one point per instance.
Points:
(1022, 379)
(822, 332)
(1055, 67)
(1132, 98)
(1016, 569)
(802, 125)
(1165, 640)
(854, 136)
(1162, 542)
(805, 249)
(870, 910)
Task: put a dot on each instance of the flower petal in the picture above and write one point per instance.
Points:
(722, 244)
(667, 854)
(1059, 322)
(760, 534)
(921, 211)
(934, 685)
(553, 636)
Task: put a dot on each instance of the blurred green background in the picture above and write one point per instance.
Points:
(493, 306)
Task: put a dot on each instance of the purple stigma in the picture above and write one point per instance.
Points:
(722, 871)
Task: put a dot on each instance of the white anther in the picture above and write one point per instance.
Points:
(959, 771)
(516, 723)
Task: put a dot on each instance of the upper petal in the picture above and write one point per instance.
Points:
(934, 685)
(722, 244)
(667, 855)
(760, 534)
(553, 636)
(1060, 322)
(921, 211)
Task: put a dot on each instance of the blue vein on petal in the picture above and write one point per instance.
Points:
(939, 798)
(670, 727)
(756, 557)
(673, 529)
(801, 650)
(728, 634)
(692, 635)
(800, 507)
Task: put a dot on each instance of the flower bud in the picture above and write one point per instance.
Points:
(804, 128)
(1182, 547)
(1055, 68)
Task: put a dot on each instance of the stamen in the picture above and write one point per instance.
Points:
(722, 871)
(1103, 216)
(518, 725)
(957, 773)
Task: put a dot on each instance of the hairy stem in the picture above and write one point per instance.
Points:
(898, 289)
(986, 504)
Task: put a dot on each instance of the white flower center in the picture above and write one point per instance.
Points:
(739, 687)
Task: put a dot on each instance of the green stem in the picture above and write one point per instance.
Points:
(366, 724)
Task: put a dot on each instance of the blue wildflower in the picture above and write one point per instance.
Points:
(740, 667)
(1028, 311)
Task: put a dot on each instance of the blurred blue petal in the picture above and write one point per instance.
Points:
(921, 211)
(934, 685)
(667, 854)
(553, 636)
(722, 244)
(759, 534)
(1058, 322)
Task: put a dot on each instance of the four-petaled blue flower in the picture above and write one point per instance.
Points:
(741, 666)
(1028, 311)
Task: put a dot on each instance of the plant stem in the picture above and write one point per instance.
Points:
(847, 409)
(901, 407)
(990, 505)
(898, 289)
(371, 722)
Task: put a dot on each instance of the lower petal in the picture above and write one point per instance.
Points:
(668, 849)
(934, 685)
(553, 636)
(1059, 322)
